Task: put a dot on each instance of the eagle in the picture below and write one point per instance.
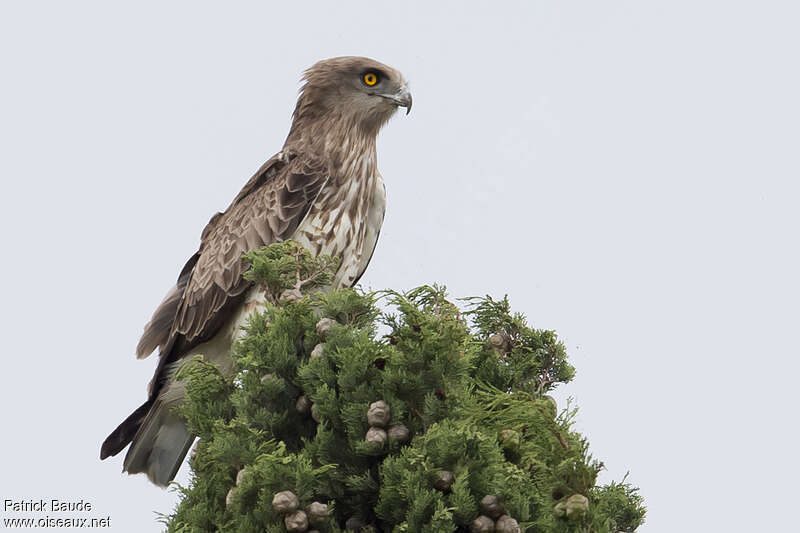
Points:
(323, 190)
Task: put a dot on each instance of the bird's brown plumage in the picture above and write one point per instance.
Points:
(267, 210)
(323, 180)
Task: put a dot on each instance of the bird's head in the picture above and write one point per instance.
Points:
(355, 92)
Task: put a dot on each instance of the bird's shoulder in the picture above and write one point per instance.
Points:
(288, 180)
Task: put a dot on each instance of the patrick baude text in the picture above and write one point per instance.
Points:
(52, 506)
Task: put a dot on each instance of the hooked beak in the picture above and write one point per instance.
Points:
(402, 98)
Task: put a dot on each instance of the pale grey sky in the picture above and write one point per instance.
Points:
(626, 171)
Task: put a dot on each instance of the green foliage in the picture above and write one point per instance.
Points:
(468, 415)
(619, 507)
(286, 265)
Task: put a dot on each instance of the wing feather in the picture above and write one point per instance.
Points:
(157, 331)
(269, 208)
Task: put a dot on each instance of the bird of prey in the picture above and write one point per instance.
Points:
(323, 190)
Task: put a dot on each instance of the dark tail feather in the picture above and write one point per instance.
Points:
(159, 445)
(124, 433)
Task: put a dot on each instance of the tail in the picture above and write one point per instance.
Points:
(159, 442)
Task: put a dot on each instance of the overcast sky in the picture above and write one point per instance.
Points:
(627, 171)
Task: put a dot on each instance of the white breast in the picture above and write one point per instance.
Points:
(346, 222)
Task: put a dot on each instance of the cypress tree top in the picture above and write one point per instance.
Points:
(391, 412)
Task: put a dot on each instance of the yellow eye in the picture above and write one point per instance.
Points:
(370, 78)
